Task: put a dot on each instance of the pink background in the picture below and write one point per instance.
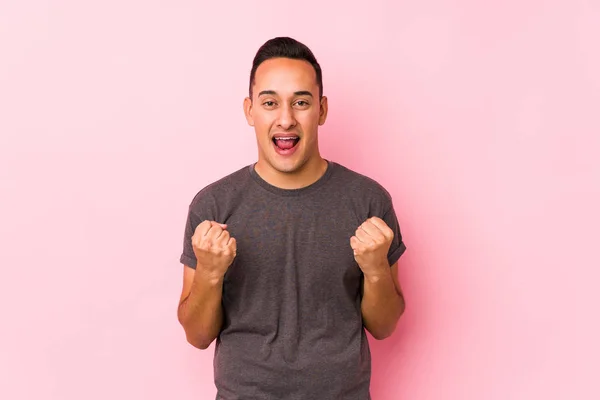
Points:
(481, 118)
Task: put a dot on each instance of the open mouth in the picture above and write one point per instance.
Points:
(285, 144)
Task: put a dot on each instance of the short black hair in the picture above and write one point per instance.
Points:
(285, 47)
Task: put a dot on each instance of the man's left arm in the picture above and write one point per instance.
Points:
(382, 303)
(382, 300)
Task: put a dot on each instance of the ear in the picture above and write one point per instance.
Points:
(248, 111)
(323, 110)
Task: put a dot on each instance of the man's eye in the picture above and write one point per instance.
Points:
(302, 103)
(269, 103)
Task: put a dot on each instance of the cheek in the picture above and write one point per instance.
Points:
(261, 122)
(309, 122)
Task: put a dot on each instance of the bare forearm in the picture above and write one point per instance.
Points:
(201, 313)
(381, 305)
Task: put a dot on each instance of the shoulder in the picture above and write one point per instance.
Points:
(361, 184)
(229, 186)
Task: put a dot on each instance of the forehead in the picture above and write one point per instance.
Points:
(285, 75)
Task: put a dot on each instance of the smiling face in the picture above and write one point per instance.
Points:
(286, 111)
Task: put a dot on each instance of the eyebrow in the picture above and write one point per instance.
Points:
(274, 93)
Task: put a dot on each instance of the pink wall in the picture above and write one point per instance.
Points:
(482, 120)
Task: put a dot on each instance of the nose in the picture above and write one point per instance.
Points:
(286, 119)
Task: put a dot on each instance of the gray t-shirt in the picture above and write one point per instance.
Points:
(292, 318)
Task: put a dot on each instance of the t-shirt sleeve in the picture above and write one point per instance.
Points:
(187, 256)
(199, 210)
(397, 248)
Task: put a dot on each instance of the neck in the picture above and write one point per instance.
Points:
(306, 175)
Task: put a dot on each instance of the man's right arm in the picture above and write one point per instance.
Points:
(200, 311)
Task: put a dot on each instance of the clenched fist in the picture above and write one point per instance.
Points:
(371, 244)
(214, 248)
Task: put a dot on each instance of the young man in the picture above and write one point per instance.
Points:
(288, 260)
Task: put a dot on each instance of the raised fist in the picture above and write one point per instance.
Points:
(371, 244)
(214, 248)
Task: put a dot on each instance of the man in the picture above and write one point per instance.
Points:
(287, 260)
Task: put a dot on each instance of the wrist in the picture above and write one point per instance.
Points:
(378, 274)
(210, 276)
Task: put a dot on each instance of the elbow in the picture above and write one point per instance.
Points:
(200, 340)
(382, 334)
(197, 339)
(198, 343)
(381, 330)
(402, 308)
(386, 330)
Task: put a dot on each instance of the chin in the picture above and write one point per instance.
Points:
(287, 166)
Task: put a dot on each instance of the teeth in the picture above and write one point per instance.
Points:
(286, 138)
